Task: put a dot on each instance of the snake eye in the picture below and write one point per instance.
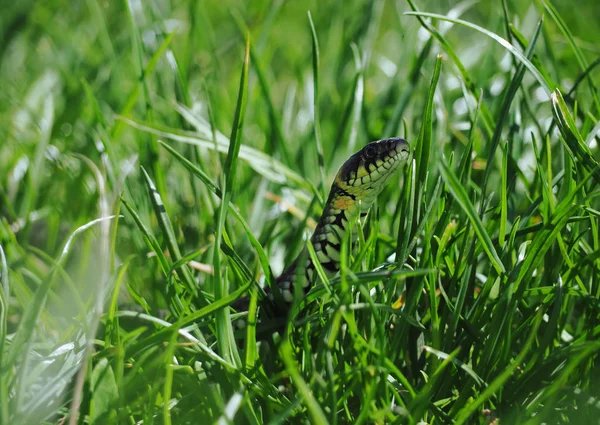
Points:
(370, 151)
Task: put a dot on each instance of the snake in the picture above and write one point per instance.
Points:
(356, 186)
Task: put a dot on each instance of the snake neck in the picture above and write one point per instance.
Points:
(340, 210)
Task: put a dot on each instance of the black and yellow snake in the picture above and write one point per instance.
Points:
(358, 182)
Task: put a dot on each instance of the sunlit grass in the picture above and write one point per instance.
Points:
(161, 160)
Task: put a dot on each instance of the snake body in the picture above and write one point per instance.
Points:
(358, 182)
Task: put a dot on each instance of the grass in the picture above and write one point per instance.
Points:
(161, 159)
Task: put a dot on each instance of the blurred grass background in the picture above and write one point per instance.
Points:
(491, 235)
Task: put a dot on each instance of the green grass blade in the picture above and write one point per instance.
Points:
(576, 50)
(458, 192)
(423, 148)
(149, 238)
(317, 116)
(465, 413)
(574, 142)
(506, 105)
(224, 332)
(314, 409)
(267, 166)
(31, 315)
(169, 234)
(264, 260)
(4, 377)
(509, 47)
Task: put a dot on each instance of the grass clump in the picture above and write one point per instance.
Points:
(159, 160)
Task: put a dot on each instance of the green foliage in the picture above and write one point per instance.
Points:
(470, 292)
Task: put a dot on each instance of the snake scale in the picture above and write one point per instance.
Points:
(358, 182)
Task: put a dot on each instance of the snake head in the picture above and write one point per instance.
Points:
(364, 174)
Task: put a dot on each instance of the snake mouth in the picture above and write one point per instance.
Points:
(393, 152)
(400, 146)
(403, 149)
